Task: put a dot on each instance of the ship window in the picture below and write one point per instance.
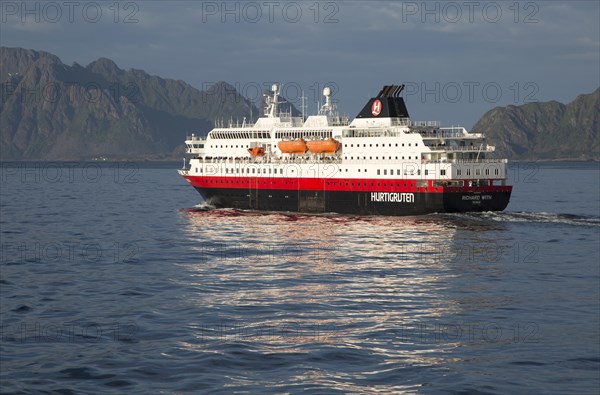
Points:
(487, 172)
(253, 171)
(397, 172)
(396, 144)
(418, 172)
(351, 145)
(359, 170)
(468, 172)
(370, 145)
(402, 157)
(377, 157)
(477, 172)
(403, 144)
(280, 171)
(396, 158)
(442, 172)
(376, 145)
(346, 170)
(496, 171)
(378, 171)
(409, 144)
(391, 172)
(196, 170)
(385, 172)
(426, 172)
(458, 172)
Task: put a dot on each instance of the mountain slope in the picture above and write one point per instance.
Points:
(51, 111)
(550, 130)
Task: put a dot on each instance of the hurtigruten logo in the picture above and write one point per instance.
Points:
(376, 107)
(392, 197)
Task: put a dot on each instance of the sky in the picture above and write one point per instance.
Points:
(456, 59)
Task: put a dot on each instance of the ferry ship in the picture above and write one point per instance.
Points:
(381, 163)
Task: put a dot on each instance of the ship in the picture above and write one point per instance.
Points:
(380, 163)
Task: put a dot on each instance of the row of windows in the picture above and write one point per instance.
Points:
(227, 146)
(246, 170)
(346, 183)
(246, 182)
(478, 172)
(379, 171)
(290, 134)
(241, 135)
(377, 145)
(377, 158)
(195, 145)
(406, 172)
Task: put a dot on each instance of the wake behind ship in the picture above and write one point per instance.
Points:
(380, 163)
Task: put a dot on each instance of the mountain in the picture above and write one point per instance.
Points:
(51, 111)
(545, 131)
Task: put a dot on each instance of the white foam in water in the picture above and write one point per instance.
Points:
(204, 206)
(543, 217)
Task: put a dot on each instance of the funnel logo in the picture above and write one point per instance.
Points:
(376, 107)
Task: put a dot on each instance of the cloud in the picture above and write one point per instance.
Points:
(358, 45)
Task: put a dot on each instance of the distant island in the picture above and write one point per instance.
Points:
(545, 131)
(52, 111)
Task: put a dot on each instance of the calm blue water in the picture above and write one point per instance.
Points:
(113, 281)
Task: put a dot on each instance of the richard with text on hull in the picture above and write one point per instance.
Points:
(381, 163)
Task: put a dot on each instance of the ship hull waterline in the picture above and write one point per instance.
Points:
(356, 202)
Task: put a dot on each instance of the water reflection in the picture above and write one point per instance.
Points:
(376, 286)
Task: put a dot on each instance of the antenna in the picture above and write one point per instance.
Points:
(328, 108)
(302, 106)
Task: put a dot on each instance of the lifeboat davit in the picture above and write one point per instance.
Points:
(297, 146)
(328, 146)
(257, 151)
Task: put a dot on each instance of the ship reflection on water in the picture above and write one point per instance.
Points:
(288, 281)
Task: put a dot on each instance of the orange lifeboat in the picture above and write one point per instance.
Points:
(328, 146)
(297, 146)
(257, 151)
